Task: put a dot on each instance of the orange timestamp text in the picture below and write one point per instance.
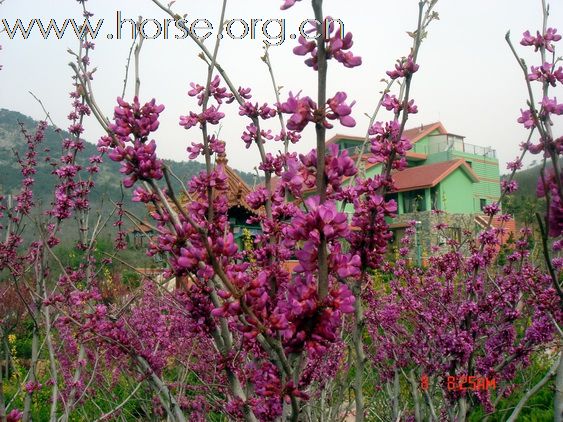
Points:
(470, 383)
(464, 383)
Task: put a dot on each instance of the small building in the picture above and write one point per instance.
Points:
(447, 180)
(141, 233)
(239, 211)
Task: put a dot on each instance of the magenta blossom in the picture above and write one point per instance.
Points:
(287, 4)
(251, 135)
(211, 115)
(15, 415)
(551, 106)
(527, 119)
(136, 120)
(340, 110)
(216, 91)
(336, 47)
(392, 103)
(404, 68)
(252, 110)
(539, 40)
(301, 109)
(555, 210)
(138, 162)
(546, 73)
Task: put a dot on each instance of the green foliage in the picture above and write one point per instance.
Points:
(131, 278)
(107, 189)
(23, 346)
(524, 203)
(540, 406)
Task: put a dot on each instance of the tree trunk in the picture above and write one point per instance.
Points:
(34, 358)
(2, 401)
(558, 408)
(551, 372)
(359, 352)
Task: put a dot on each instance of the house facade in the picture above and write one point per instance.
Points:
(445, 173)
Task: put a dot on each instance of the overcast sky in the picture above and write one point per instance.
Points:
(468, 78)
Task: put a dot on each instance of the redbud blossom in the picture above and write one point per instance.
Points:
(404, 68)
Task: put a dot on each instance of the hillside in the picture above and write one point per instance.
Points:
(524, 203)
(107, 180)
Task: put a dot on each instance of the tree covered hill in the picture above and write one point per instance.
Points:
(107, 180)
(524, 203)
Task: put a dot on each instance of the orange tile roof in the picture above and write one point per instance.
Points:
(417, 133)
(414, 134)
(429, 175)
(142, 227)
(237, 188)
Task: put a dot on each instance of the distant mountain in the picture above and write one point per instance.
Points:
(107, 180)
(524, 203)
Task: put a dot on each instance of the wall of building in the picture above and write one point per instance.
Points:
(421, 146)
(427, 236)
(486, 169)
(456, 193)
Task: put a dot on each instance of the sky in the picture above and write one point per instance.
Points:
(468, 78)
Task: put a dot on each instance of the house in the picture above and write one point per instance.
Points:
(440, 164)
(445, 173)
(239, 211)
(140, 233)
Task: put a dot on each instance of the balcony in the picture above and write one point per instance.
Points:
(441, 143)
(355, 150)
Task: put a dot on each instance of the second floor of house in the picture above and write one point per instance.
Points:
(444, 171)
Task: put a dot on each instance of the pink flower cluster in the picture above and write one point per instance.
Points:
(549, 75)
(546, 73)
(138, 159)
(215, 90)
(139, 162)
(301, 109)
(392, 103)
(335, 47)
(211, 114)
(312, 324)
(132, 119)
(443, 319)
(547, 185)
(304, 110)
(404, 68)
(386, 143)
(546, 40)
(216, 146)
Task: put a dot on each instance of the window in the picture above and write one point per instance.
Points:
(483, 203)
(434, 198)
(413, 201)
(454, 233)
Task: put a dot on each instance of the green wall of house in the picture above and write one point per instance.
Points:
(486, 169)
(456, 193)
(421, 146)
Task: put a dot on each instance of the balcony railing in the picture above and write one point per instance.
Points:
(440, 143)
(355, 150)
